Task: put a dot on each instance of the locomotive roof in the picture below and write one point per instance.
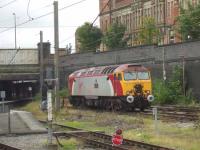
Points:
(99, 70)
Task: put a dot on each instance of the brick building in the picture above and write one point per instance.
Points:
(131, 14)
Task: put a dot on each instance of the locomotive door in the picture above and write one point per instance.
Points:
(117, 79)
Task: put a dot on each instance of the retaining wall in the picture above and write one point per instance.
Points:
(183, 54)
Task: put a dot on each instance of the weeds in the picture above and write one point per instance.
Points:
(197, 124)
(171, 91)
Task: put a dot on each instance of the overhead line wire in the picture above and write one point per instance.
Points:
(43, 27)
(27, 12)
(72, 5)
(101, 12)
(45, 6)
(7, 4)
(36, 18)
(91, 25)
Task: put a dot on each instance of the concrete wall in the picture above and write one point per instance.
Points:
(21, 64)
(24, 64)
(145, 54)
(150, 56)
(20, 56)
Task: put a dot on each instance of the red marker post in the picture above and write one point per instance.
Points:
(117, 138)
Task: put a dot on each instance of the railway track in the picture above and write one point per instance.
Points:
(101, 140)
(7, 147)
(176, 113)
(17, 102)
(168, 113)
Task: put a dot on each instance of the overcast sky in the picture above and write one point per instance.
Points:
(28, 34)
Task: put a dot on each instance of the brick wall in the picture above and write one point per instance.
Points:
(131, 13)
(122, 3)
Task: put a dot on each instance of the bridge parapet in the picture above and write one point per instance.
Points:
(19, 69)
(19, 56)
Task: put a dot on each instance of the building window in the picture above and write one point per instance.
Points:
(102, 25)
(118, 1)
(106, 24)
(168, 9)
(119, 20)
(172, 6)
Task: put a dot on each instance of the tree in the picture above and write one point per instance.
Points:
(114, 37)
(89, 37)
(149, 34)
(189, 22)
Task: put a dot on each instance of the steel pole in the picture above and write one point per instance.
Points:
(3, 105)
(9, 121)
(164, 70)
(41, 63)
(15, 31)
(56, 40)
(50, 116)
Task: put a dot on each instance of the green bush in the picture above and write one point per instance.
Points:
(37, 97)
(171, 90)
(63, 93)
(161, 92)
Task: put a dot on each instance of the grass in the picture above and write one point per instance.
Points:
(135, 127)
(69, 144)
(34, 107)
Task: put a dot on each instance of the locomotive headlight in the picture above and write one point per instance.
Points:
(150, 98)
(128, 93)
(147, 91)
(130, 99)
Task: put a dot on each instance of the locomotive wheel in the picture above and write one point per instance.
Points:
(70, 100)
(108, 105)
(82, 102)
(73, 101)
(141, 108)
(77, 102)
(116, 105)
(97, 103)
(90, 103)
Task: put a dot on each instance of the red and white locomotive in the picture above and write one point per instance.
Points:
(111, 87)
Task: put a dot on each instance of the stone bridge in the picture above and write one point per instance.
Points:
(20, 71)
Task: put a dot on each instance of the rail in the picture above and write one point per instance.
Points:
(101, 140)
(176, 113)
(7, 147)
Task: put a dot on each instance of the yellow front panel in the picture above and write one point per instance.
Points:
(128, 86)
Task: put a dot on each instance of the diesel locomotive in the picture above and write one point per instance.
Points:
(116, 87)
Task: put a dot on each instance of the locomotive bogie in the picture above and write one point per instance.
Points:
(109, 103)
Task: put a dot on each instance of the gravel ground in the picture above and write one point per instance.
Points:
(27, 142)
(31, 142)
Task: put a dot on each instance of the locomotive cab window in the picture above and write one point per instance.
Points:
(97, 72)
(143, 76)
(119, 77)
(83, 73)
(76, 74)
(89, 72)
(130, 76)
(115, 76)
